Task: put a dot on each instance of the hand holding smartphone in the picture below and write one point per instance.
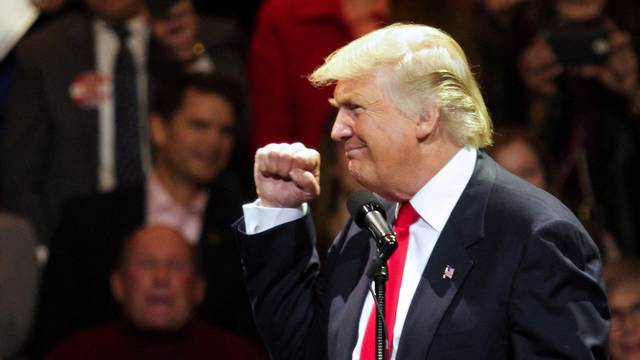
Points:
(580, 45)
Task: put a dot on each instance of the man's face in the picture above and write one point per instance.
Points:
(158, 286)
(115, 11)
(196, 143)
(624, 302)
(379, 140)
(520, 159)
(579, 10)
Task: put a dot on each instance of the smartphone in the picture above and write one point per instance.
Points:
(159, 9)
(580, 46)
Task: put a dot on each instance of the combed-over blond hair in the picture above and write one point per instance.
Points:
(425, 66)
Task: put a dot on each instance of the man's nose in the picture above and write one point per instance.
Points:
(161, 274)
(342, 127)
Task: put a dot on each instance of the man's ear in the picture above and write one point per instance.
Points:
(157, 129)
(117, 287)
(427, 122)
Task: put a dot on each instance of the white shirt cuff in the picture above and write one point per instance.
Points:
(261, 218)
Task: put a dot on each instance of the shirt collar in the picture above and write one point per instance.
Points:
(435, 201)
(138, 26)
(159, 198)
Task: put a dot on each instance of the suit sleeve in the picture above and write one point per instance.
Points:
(18, 283)
(61, 301)
(285, 289)
(558, 305)
(25, 146)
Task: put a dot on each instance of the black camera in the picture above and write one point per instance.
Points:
(580, 45)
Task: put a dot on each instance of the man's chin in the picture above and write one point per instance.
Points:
(203, 179)
(625, 351)
(360, 176)
(162, 322)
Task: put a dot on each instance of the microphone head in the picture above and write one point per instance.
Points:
(360, 203)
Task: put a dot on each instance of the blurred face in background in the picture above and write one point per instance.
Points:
(115, 11)
(196, 143)
(579, 10)
(519, 158)
(624, 303)
(157, 283)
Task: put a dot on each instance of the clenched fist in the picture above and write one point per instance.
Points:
(286, 175)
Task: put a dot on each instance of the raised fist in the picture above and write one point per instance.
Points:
(286, 175)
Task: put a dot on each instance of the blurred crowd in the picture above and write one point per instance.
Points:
(127, 129)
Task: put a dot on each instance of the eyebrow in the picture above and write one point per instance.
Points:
(343, 98)
(347, 103)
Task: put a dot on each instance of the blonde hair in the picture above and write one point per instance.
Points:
(426, 67)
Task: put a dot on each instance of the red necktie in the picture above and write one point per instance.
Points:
(406, 216)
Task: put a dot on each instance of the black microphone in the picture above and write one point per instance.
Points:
(369, 214)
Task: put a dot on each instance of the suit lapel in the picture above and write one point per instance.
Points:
(79, 59)
(347, 306)
(81, 36)
(223, 207)
(436, 291)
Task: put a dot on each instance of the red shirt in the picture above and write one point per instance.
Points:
(292, 39)
(121, 341)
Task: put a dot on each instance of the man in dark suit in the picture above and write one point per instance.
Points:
(61, 134)
(193, 132)
(487, 266)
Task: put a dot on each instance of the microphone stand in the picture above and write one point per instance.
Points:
(369, 214)
(378, 270)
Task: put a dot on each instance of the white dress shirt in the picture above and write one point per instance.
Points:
(434, 202)
(162, 208)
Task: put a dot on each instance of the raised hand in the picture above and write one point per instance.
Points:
(620, 73)
(539, 68)
(286, 175)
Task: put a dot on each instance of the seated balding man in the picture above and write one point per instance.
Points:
(158, 283)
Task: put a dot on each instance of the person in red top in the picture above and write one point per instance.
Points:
(158, 284)
(292, 38)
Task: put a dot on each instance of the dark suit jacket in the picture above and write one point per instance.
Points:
(76, 292)
(19, 275)
(50, 151)
(526, 285)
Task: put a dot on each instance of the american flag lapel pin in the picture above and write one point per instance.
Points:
(448, 272)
